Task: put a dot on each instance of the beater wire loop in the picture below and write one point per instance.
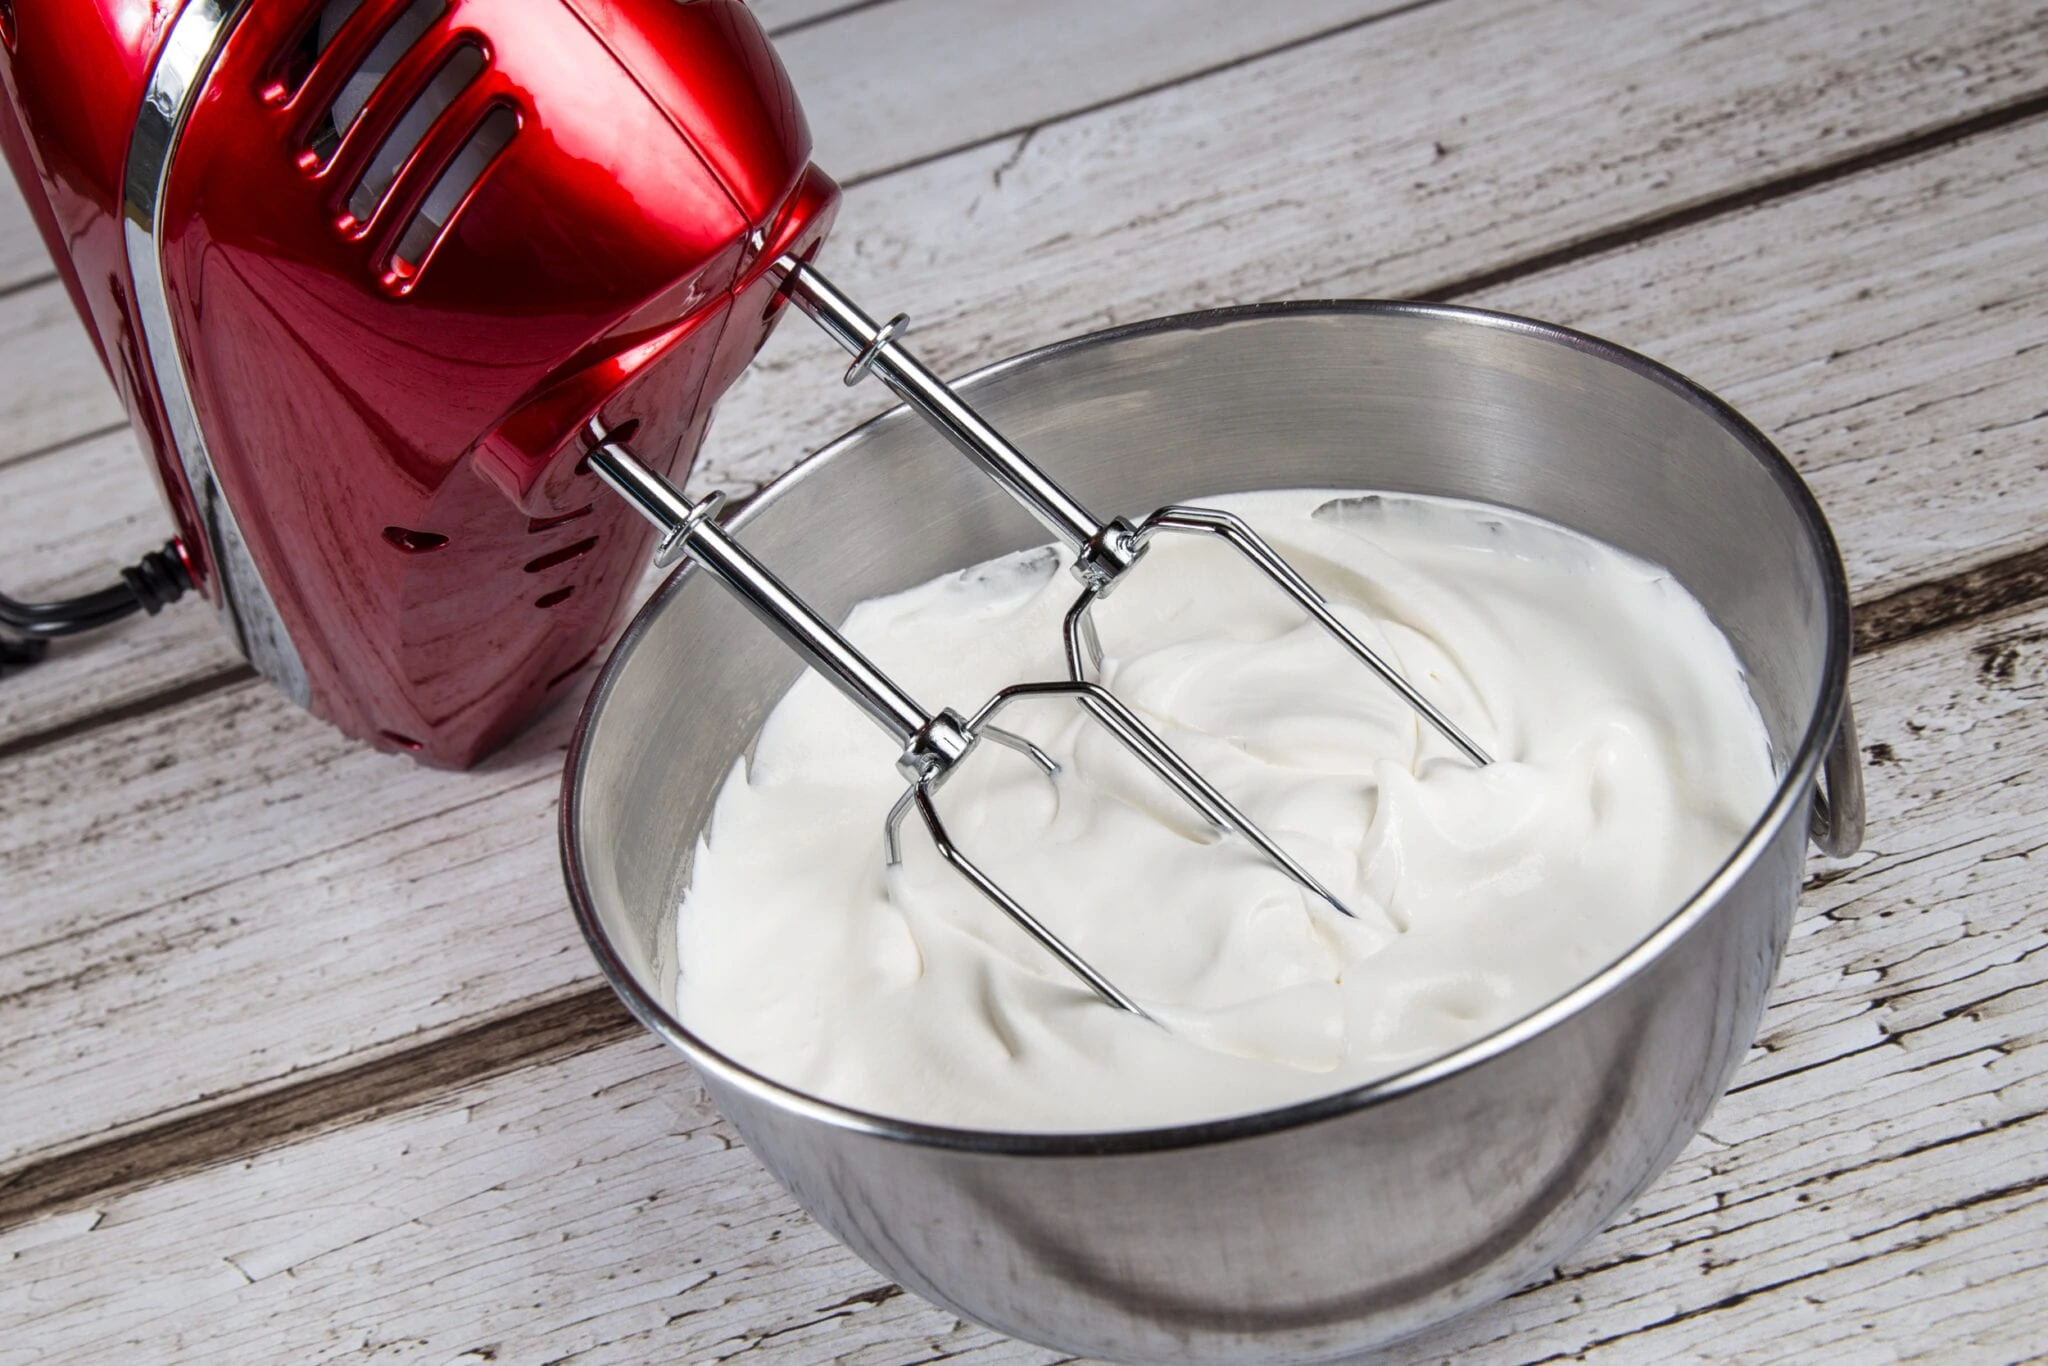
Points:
(1236, 533)
(1014, 909)
(1146, 745)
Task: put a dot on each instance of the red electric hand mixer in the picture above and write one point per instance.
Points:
(392, 289)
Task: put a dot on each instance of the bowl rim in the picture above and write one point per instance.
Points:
(1795, 785)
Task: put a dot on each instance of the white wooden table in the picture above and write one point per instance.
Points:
(301, 1058)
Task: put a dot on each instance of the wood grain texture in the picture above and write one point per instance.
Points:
(233, 936)
(1418, 151)
(453, 877)
(913, 79)
(1880, 1159)
(22, 257)
(52, 389)
(1875, 1186)
(1889, 333)
(266, 897)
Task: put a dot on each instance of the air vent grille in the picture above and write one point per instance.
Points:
(361, 59)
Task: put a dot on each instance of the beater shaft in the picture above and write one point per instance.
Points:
(1103, 550)
(875, 350)
(693, 528)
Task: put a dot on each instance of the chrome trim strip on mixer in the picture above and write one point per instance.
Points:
(182, 67)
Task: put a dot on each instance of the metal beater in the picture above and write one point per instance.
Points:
(935, 743)
(1104, 551)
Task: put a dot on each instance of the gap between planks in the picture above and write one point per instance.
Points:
(592, 1017)
(582, 1020)
(1026, 130)
(2019, 111)
(1991, 120)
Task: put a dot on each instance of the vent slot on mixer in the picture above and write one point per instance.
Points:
(356, 91)
(297, 62)
(413, 542)
(435, 212)
(574, 551)
(406, 135)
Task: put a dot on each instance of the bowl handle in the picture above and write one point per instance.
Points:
(1837, 820)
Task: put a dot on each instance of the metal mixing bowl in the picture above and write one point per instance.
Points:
(1325, 1228)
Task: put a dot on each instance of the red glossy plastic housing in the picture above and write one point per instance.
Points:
(400, 439)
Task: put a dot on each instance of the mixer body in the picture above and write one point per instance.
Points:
(363, 270)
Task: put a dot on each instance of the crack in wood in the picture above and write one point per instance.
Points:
(63, 444)
(190, 690)
(1735, 201)
(1136, 94)
(1952, 600)
(578, 1022)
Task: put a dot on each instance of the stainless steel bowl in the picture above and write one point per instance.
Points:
(1321, 1229)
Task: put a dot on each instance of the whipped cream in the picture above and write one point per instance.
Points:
(1629, 758)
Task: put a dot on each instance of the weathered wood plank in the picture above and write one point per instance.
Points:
(72, 535)
(284, 803)
(52, 388)
(1882, 1201)
(346, 867)
(776, 15)
(1925, 452)
(1386, 161)
(912, 79)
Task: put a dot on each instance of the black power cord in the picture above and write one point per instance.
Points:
(27, 628)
